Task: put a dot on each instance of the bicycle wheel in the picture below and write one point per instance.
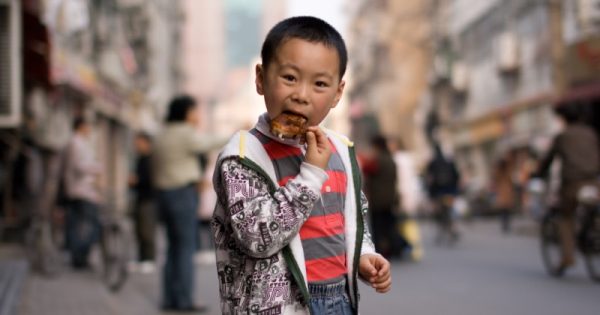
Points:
(115, 255)
(591, 245)
(550, 246)
(42, 252)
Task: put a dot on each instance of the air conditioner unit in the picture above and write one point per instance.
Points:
(507, 53)
(10, 63)
(588, 13)
(460, 77)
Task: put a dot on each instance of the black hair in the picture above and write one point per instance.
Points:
(78, 122)
(380, 142)
(569, 112)
(179, 108)
(308, 28)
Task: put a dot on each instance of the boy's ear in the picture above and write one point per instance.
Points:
(338, 93)
(259, 79)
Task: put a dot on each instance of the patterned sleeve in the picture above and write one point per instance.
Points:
(367, 246)
(264, 222)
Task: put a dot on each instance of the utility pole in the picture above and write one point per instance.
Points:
(557, 45)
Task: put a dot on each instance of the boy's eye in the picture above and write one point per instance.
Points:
(321, 84)
(288, 77)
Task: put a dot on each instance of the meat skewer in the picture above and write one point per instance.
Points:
(289, 126)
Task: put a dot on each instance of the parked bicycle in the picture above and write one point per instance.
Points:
(115, 246)
(587, 234)
(42, 247)
(115, 254)
(114, 243)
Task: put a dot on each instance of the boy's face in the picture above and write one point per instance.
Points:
(302, 78)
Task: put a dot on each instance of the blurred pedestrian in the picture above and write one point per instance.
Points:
(82, 171)
(442, 179)
(144, 212)
(525, 164)
(381, 190)
(578, 150)
(206, 206)
(504, 191)
(409, 189)
(176, 175)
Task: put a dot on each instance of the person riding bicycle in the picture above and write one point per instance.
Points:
(443, 184)
(578, 150)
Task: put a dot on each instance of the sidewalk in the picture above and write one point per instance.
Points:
(13, 272)
(83, 293)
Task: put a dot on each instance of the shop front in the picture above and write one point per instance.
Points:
(109, 113)
(583, 74)
(523, 125)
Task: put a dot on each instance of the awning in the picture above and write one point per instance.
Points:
(580, 93)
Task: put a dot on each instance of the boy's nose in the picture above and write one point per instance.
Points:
(301, 94)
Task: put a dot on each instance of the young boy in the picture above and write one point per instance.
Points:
(289, 224)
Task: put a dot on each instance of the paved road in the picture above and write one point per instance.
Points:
(486, 273)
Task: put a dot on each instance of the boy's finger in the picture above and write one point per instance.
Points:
(310, 138)
(371, 270)
(319, 136)
(384, 287)
(383, 283)
(384, 267)
(380, 280)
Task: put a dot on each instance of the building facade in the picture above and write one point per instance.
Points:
(389, 50)
(498, 68)
(114, 62)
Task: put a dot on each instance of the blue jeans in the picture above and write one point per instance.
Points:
(82, 230)
(330, 299)
(178, 212)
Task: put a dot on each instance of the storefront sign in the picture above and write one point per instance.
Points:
(69, 69)
(583, 61)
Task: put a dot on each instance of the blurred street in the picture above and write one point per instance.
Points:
(485, 273)
(113, 114)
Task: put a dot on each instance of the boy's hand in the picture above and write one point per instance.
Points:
(376, 269)
(318, 150)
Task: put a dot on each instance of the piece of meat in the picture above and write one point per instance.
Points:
(288, 125)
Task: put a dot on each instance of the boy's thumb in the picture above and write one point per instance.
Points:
(372, 270)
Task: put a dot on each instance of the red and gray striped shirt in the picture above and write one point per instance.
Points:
(322, 234)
